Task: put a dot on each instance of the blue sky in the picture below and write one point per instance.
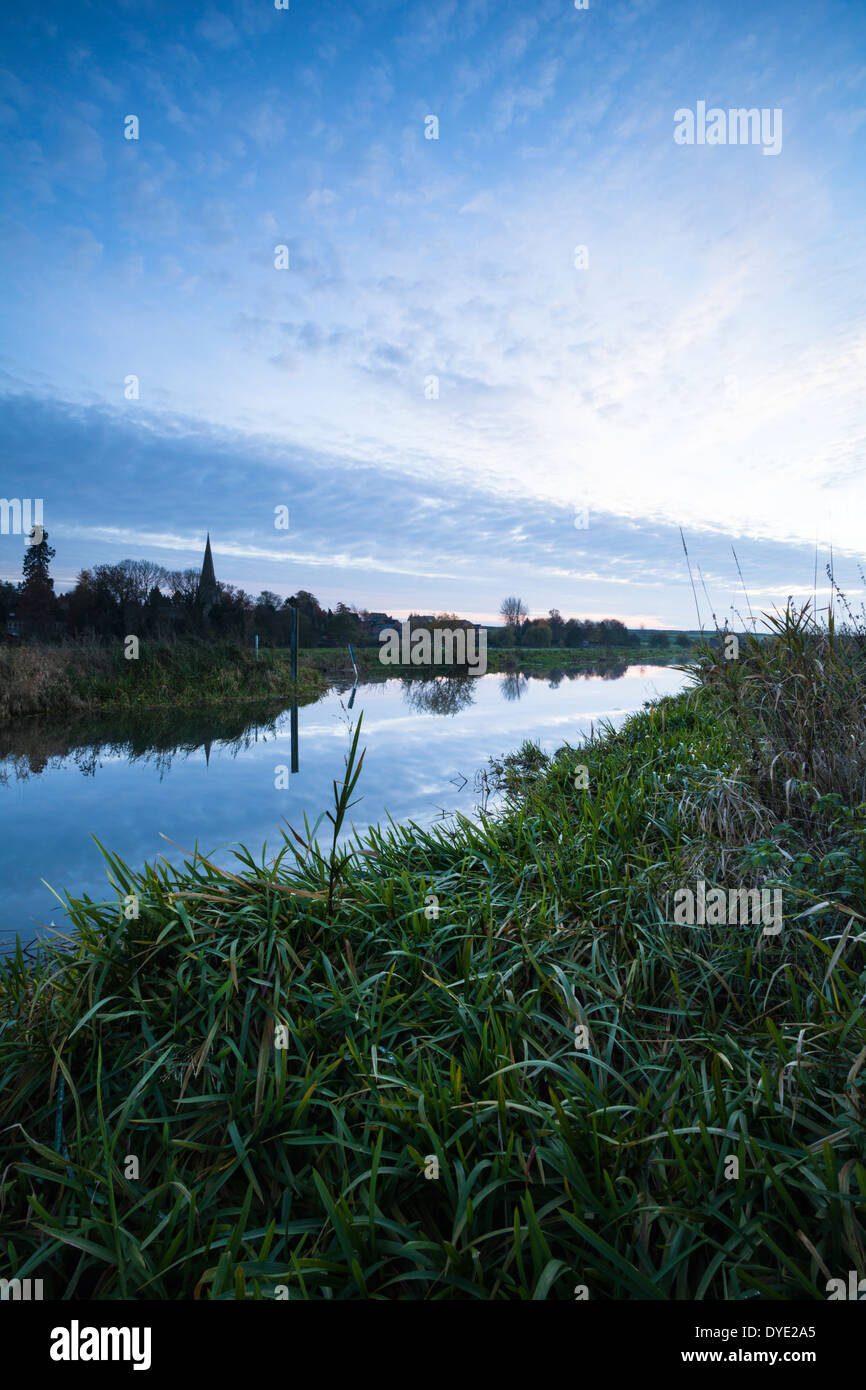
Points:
(705, 369)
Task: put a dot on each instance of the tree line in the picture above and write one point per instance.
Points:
(144, 598)
(555, 631)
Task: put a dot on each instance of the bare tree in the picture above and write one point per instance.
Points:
(512, 610)
(131, 581)
(144, 576)
(183, 585)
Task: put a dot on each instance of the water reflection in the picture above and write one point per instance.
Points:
(152, 736)
(439, 694)
(157, 736)
(155, 784)
(513, 685)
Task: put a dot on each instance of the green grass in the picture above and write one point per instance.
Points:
(564, 658)
(445, 1027)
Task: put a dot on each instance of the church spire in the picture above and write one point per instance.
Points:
(207, 585)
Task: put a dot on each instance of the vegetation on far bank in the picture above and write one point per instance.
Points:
(62, 679)
(431, 1130)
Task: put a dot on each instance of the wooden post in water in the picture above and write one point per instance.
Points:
(294, 639)
(294, 718)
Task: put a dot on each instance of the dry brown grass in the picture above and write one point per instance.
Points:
(35, 679)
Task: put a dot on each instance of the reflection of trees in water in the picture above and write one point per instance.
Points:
(157, 736)
(612, 671)
(555, 675)
(515, 681)
(514, 684)
(439, 694)
(145, 736)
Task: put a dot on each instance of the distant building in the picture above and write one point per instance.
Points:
(208, 593)
(377, 622)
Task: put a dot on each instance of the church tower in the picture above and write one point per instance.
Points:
(207, 586)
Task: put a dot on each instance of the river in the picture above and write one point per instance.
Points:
(219, 779)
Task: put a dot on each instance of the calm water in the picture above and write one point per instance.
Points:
(211, 778)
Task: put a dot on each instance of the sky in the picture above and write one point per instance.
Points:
(517, 358)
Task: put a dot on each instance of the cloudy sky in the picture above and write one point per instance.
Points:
(438, 385)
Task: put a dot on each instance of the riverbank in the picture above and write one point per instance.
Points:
(70, 679)
(74, 678)
(482, 1061)
(567, 659)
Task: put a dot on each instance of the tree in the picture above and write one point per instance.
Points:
(661, 639)
(130, 581)
(8, 601)
(113, 583)
(345, 626)
(683, 639)
(571, 633)
(144, 576)
(312, 619)
(557, 626)
(613, 633)
(184, 587)
(37, 603)
(537, 634)
(232, 615)
(80, 604)
(512, 610)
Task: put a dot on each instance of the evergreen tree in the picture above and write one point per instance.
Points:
(37, 602)
(8, 602)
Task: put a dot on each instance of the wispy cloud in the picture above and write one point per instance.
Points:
(434, 335)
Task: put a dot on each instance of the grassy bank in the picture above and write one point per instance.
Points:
(565, 658)
(61, 680)
(435, 1127)
(67, 680)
